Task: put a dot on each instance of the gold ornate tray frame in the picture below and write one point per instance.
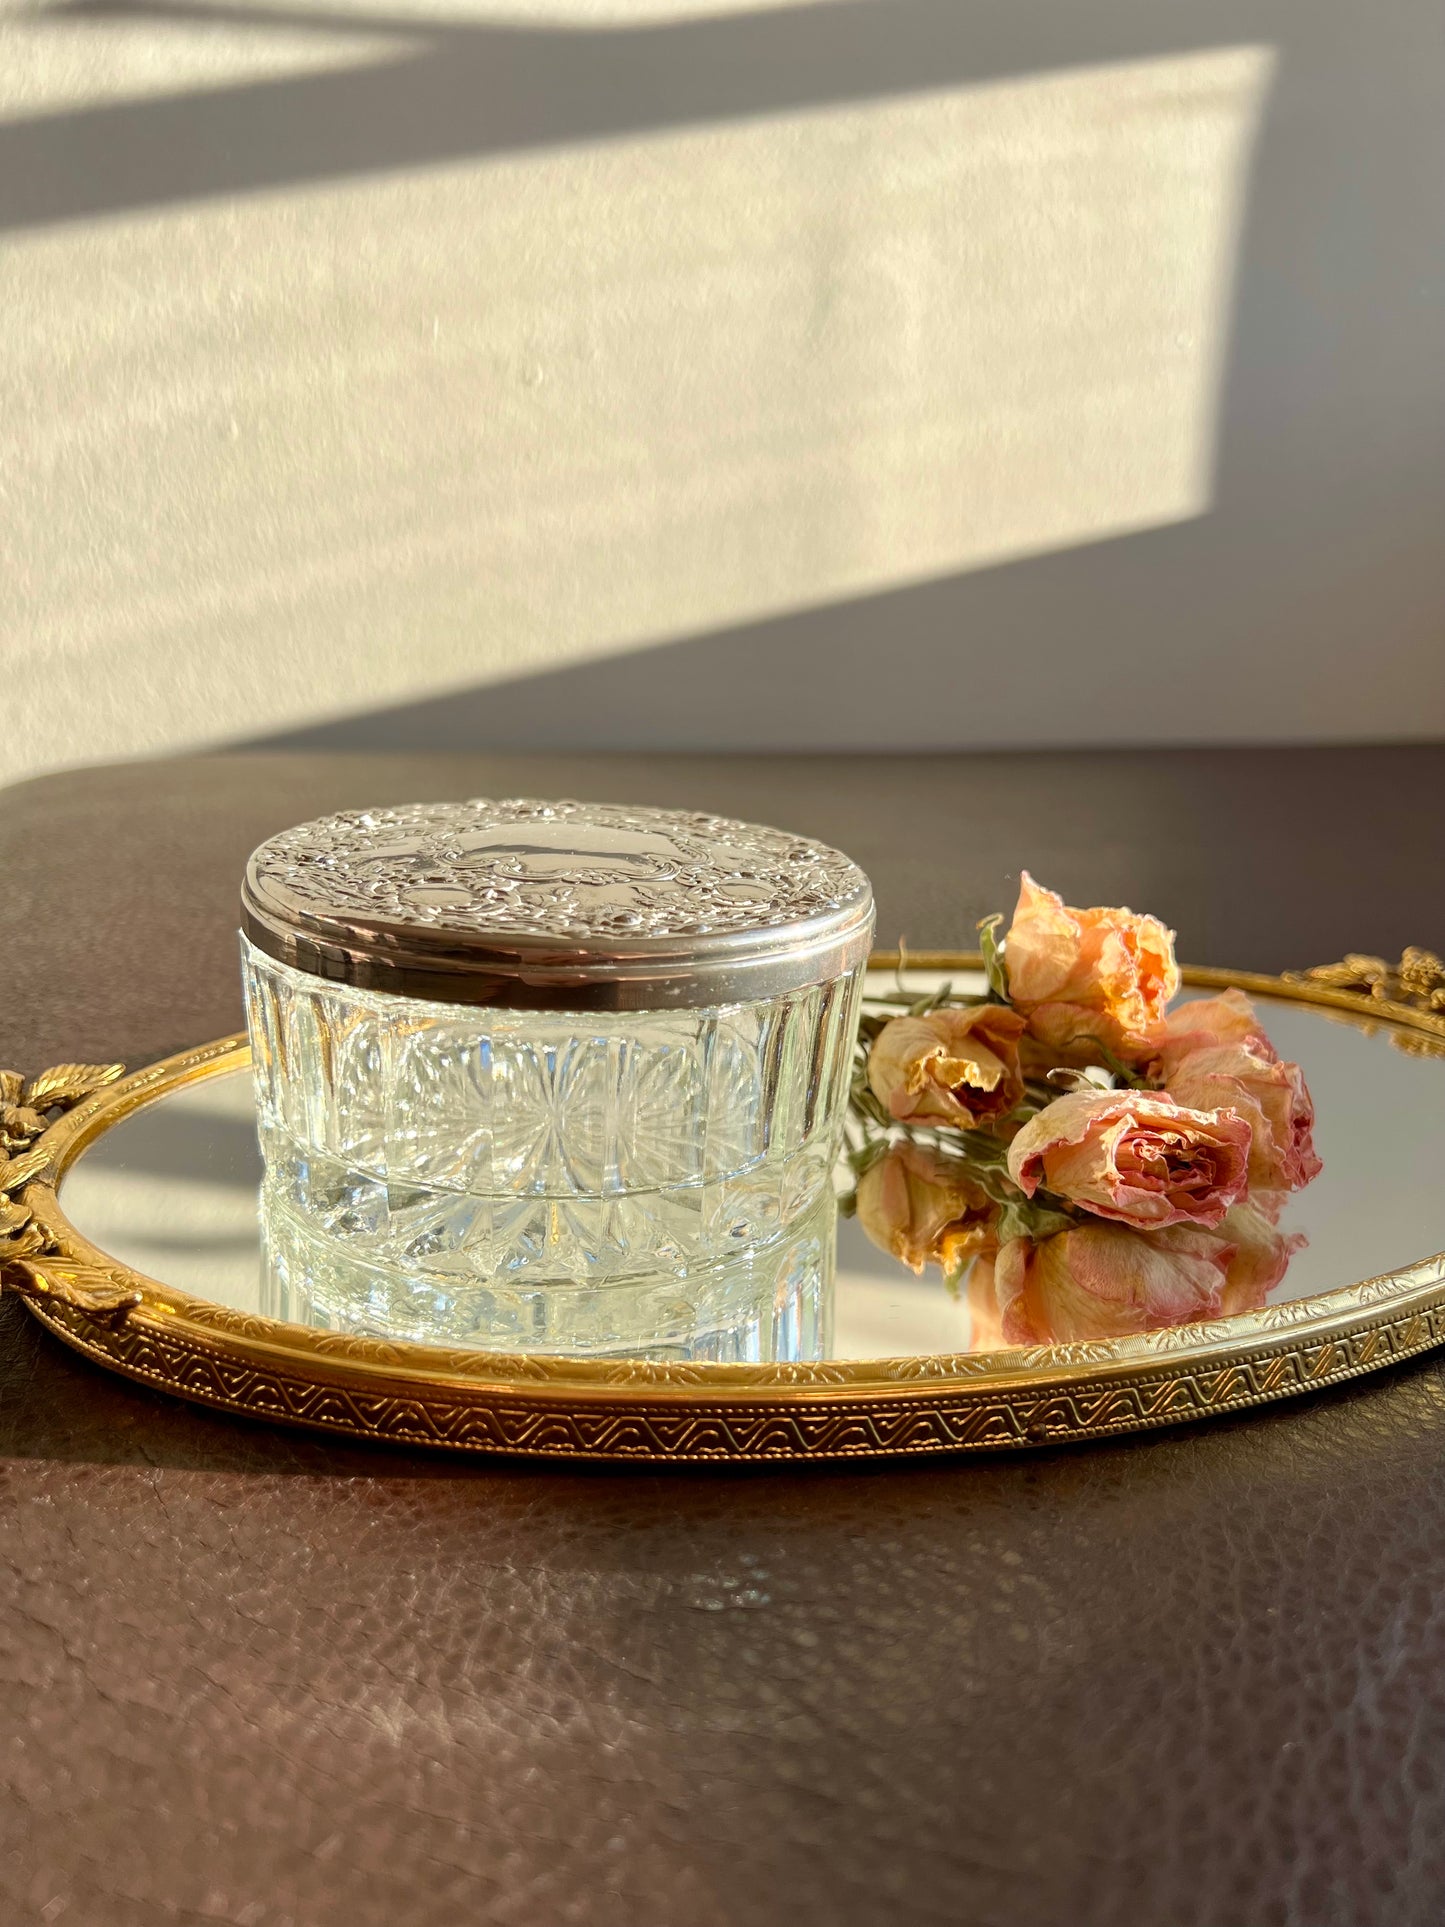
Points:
(561, 1408)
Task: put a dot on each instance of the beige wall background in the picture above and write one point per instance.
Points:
(679, 373)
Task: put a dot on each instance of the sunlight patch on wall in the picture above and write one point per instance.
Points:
(562, 14)
(321, 451)
(54, 57)
(51, 58)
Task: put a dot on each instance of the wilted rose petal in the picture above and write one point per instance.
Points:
(985, 1320)
(1207, 1023)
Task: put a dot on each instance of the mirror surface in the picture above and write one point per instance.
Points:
(172, 1191)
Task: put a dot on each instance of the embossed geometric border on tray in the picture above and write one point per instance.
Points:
(565, 1408)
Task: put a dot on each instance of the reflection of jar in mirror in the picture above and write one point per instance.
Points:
(559, 1077)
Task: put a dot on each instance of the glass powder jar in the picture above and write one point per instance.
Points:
(553, 1076)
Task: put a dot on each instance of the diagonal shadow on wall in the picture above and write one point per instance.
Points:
(460, 89)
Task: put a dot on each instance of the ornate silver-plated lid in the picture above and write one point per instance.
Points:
(547, 906)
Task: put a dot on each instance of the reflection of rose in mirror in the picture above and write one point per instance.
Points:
(1133, 1175)
(1109, 1280)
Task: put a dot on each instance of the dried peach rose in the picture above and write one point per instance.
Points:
(1261, 1255)
(1134, 1157)
(1088, 978)
(1108, 1281)
(924, 1208)
(1270, 1095)
(956, 1066)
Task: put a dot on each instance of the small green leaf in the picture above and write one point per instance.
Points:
(1021, 1218)
(992, 949)
(1048, 1224)
(1013, 1223)
(866, 1105)
(867, 1155)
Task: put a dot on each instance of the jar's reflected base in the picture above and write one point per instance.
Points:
(773, 1302)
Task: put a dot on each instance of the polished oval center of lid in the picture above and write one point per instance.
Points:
(566, 852)
(602, 863)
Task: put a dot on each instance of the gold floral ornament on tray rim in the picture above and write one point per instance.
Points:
(636, 1410)
(28, 1264)
(1415, 985)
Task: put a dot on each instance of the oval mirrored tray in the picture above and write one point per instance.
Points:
(132, 1228)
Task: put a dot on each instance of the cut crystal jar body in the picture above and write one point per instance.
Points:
(647, 1182)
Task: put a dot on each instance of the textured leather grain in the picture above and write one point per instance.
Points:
(256, 1677)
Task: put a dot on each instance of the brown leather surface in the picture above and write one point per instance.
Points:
(251, 1677)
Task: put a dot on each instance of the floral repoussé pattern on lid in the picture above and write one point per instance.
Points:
(1086, 1162)
(578, 871)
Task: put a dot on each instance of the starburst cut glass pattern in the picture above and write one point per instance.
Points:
(650, 1182)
